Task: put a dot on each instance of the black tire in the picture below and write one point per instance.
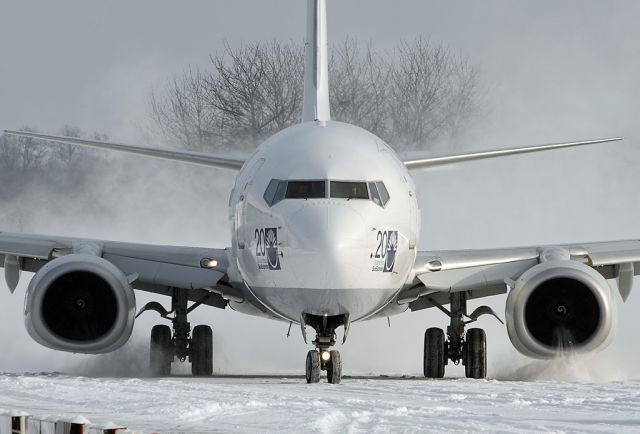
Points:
(312, 367)
(475, 354)
(434, 353)
(201, 351)
(161, 351)
(334, 368)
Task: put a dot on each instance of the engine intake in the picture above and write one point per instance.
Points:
(560, 306)
(80, 303)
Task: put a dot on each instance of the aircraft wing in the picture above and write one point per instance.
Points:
(201, 158)
(419, 162)
(152, 268)
(483, 273)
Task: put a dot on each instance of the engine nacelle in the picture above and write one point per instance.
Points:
(80, 303)
(560, 306)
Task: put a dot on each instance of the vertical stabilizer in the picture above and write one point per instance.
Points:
(316, 66)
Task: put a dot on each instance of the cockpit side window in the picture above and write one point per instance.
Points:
(282, 188)
(306, 190)
(375, 196)
(384, 194)
(349, 190)
(275, 191)
(270, 192)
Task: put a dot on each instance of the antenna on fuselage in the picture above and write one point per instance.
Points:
(316, 66)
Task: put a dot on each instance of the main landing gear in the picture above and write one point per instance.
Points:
(469, 348)
(196, 345)
(323, 358)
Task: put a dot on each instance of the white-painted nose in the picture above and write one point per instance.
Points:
(326, 243)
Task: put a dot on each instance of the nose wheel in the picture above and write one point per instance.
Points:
(323, 358)
(313, 366)
(334, 368)
(326, 360)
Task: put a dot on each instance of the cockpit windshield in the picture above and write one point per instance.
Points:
(349, 190)
(306, 190)
(278, 190)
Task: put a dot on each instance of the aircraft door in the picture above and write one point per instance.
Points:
(238, 223)
(414, 220)
(241, 206)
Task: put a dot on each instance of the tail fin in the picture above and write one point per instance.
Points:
(316, 67)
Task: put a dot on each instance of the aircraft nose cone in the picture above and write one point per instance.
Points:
(327, 239)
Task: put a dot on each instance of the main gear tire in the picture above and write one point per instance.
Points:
(201, 349)
(475, 354)
(161, 351)
(434, 353)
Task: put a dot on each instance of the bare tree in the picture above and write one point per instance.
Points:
(359, 88)
(25, 161)
(256, 90)
(433, 94)
(419, 94)
(22, 153)
(182, 113)
(67, 155)
(252, 92)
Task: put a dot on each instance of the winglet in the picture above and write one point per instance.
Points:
(316, 66)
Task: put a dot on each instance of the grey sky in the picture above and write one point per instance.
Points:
(553, 69)
(92, 63)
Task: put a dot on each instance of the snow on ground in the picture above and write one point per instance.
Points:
(244, 404)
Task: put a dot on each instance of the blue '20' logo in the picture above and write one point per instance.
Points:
(387, 249)
(267, 247)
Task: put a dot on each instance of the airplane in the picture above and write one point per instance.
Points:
(325, 224)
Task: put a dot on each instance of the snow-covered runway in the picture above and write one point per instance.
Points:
(245, 404)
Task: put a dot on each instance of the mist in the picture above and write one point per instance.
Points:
(553, 70)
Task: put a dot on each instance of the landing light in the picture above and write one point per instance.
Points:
(208, 263)
(326, 355)
(433, 265)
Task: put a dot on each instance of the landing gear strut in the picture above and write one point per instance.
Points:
(469, 348)
(197, 346)
(323, 358)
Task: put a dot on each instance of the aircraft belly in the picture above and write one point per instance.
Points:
(292, 302)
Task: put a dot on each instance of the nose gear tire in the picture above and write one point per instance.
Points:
(313, 366)
(334, 368)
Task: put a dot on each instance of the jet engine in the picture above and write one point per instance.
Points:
(80, 303)
(558, 307)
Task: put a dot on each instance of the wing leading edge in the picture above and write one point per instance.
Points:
(484, 273)
(153, 268)
(201, 158)
(419, 163)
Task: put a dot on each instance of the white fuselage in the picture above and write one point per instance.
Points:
(324, 255)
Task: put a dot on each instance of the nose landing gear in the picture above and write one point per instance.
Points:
(323, 358)
(469, 348)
